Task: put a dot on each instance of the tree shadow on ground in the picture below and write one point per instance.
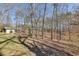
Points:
(41, 49)
(1, 54)
(6, 41)
(38, 48)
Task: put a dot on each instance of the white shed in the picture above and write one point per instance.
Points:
(9, 30)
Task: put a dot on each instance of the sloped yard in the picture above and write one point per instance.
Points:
(10, 47)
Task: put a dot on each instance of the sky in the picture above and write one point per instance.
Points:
(23, 6)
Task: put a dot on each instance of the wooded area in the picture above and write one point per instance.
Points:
(39, 29)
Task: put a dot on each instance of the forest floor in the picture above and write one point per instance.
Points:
(37, 46)
(63, 46)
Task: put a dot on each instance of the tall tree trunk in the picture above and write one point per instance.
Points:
(37, 24)
(52, 23)
(43, 20)
(68, 18)
(31, 15)
(56, 21)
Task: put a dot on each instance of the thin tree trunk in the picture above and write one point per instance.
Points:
(52, 24)
(56, 21)
(68, 18)
(31, 5)
(43, 21)
(37, 23)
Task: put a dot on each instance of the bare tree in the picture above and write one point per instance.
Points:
(37, 18)
(43, 20)
(52, 24)
(31, 16)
